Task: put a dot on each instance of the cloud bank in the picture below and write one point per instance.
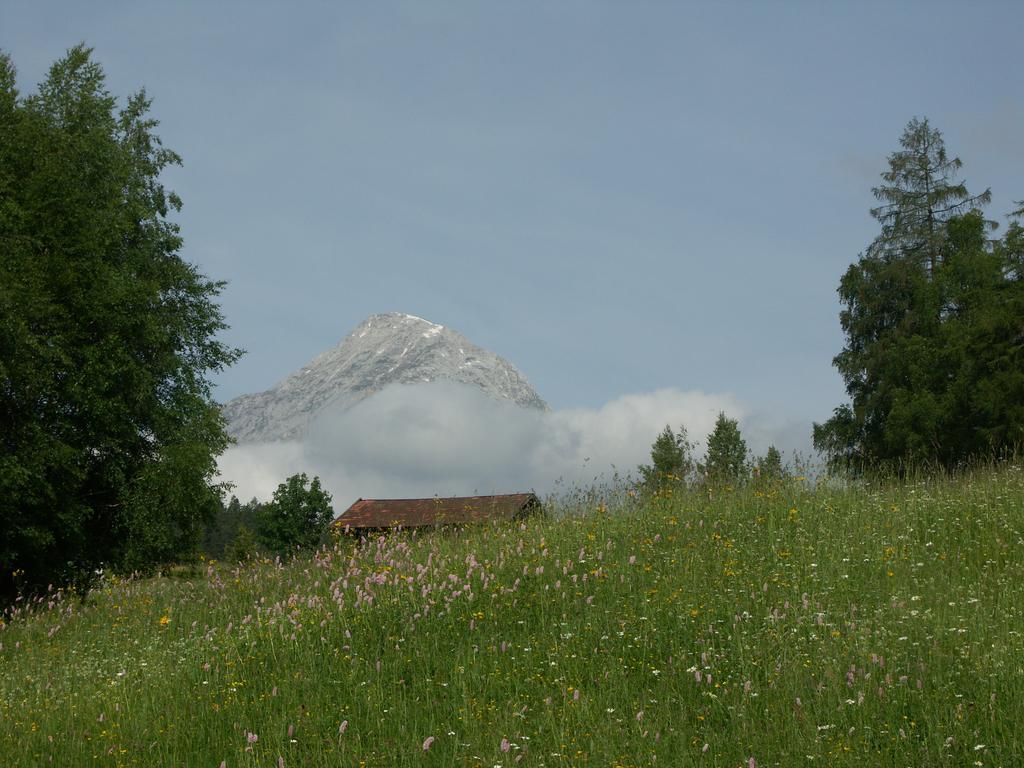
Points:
(450, 439)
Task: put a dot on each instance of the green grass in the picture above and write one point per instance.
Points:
(877, 626)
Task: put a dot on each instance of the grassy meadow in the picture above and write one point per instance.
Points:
(788, 626)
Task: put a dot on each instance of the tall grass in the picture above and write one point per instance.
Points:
(784, 626)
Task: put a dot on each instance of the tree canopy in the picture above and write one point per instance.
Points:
(108, 434)
(726, 460)
(671, 459)
(297, 515)
(933, 315)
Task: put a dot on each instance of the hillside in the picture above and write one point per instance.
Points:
(770, 627)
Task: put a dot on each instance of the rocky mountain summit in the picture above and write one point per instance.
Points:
(385, 349)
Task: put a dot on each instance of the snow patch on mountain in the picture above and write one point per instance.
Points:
(385, 349)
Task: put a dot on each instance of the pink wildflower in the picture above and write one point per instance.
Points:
(427, 742)
(505, 745)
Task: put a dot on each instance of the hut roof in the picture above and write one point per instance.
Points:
(419, 513)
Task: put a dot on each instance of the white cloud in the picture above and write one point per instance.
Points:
(451, 439)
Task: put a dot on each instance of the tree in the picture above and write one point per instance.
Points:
(296, 516)
(671, 459)
(987, 332)
(726, 460)
(108, 434)
(243, 546)
(225, 528)
(769, 466)
(919, 195)
(928, 315)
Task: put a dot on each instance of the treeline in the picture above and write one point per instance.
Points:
(727, 460)
(297, 517)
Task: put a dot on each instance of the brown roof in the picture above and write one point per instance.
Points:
(417, 513)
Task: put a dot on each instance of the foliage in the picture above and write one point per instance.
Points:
(107, 337)
(297, 516)
(726, 459)
(243, 546)
(770, 466)
(226, 525)
(671, 459)
(932, 317)
(889, 617)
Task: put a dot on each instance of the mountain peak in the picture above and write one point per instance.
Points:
(385, 349)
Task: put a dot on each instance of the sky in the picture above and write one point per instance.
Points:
(621, 198)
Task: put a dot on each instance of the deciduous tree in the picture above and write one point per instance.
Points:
(726, 460)
(297, 515)
(671, 459)
(108, 433)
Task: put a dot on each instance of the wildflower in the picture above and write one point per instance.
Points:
(165, 620)
(427, 742)
(705, 748)
(505, 745)
(343, 727)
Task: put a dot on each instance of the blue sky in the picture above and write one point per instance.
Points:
(617, 197)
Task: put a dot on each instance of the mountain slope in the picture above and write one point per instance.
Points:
(385, 349)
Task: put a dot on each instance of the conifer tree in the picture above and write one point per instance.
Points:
(930, 314)
(919, 194)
